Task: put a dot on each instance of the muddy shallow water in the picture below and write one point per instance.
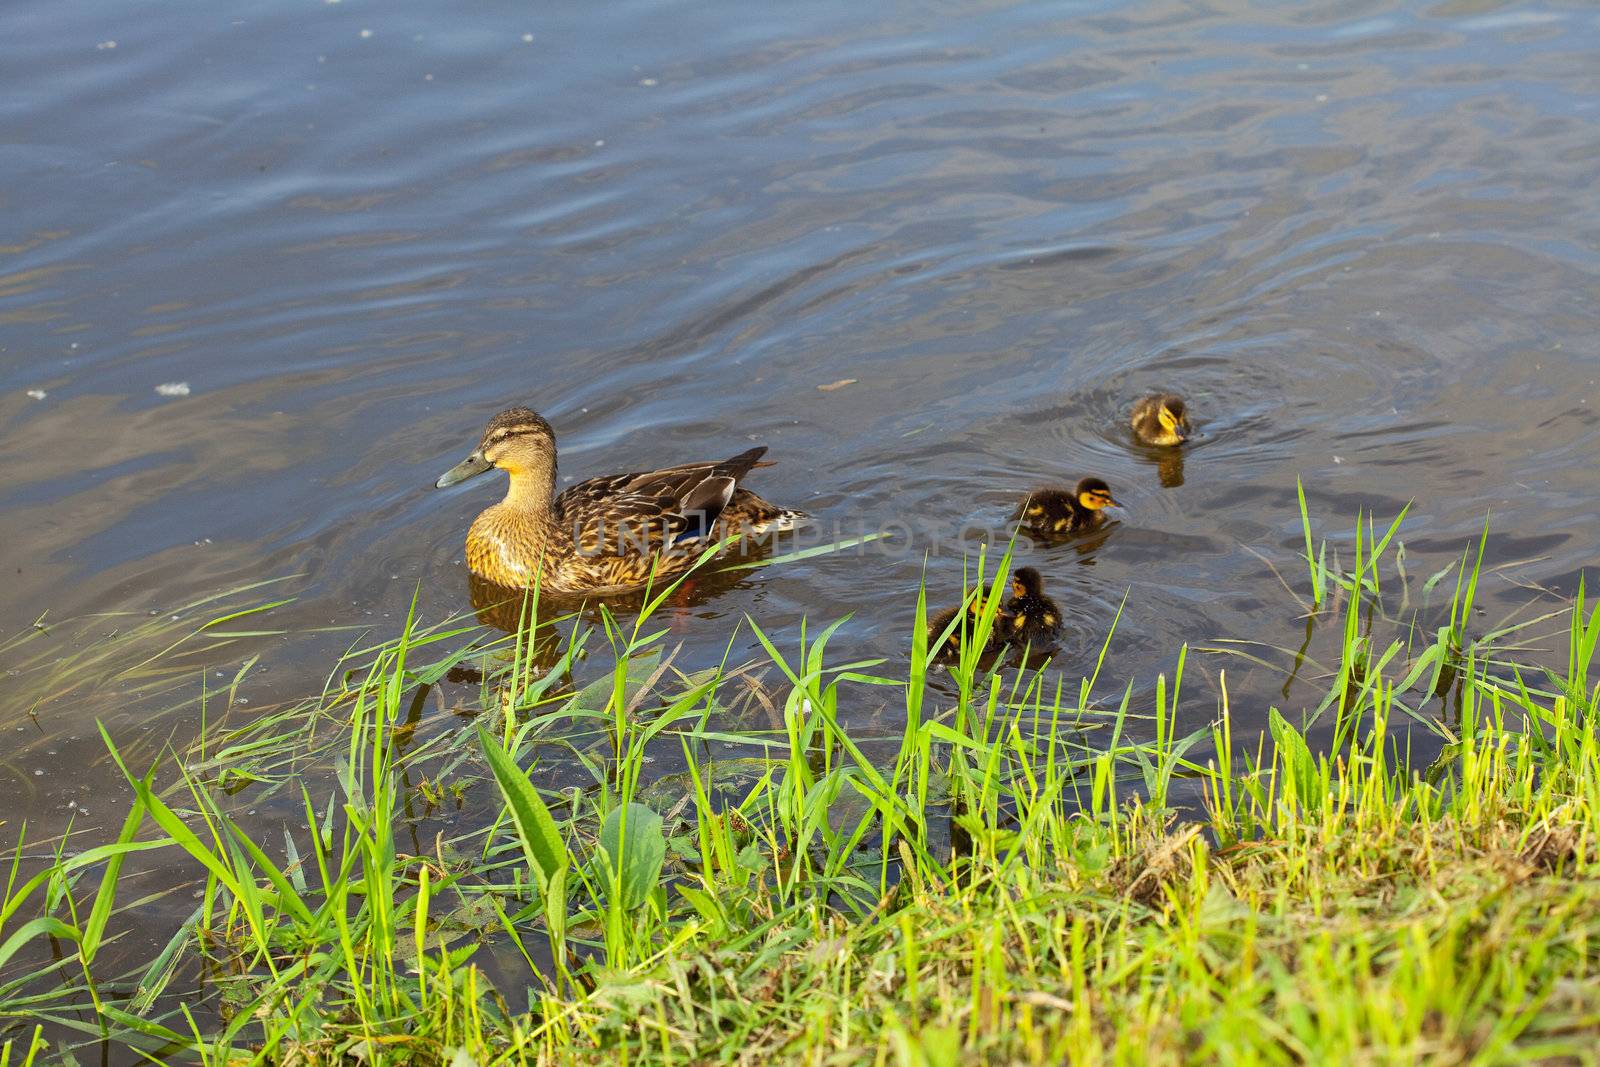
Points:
(1362, 238)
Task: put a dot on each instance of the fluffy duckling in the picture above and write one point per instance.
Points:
(1051, 513)
(1161, 420)
(1031, 617)
(950, 649)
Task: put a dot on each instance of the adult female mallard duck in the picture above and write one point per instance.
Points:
(1055, 513)
(604, 535)
(1161, 420)
(1031, 618)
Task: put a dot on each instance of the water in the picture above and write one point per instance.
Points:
(1361, 238)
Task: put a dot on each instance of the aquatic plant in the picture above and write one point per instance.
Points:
(609, 855)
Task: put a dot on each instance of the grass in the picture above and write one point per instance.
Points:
(606, 857)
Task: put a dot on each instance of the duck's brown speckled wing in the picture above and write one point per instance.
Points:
(644, 513)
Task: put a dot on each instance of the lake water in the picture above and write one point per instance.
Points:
(267, 268)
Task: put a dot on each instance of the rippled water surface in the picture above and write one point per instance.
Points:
(1362, 238)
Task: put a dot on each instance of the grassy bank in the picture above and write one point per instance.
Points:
(604, 858)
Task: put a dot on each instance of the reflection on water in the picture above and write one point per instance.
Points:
(1168, 463)
(675, 600)
(1359, 241)
(1087, 545)
(516, 612)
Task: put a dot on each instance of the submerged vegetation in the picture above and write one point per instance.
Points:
(608, 857)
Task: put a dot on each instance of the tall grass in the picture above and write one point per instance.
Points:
(676, 865)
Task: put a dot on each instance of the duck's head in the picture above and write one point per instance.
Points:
(1094, 494)
(1027, 582)
(515, 440)
(1173, 418)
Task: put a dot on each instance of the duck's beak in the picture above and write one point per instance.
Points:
(1182, 433)
(470, 467)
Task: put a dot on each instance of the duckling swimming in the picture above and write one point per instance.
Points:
(1031, 617)
(949, 650)
(1161, 420)
(1055, 513)
(604, 535)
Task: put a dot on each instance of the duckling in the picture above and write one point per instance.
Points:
(1031, 617)
(949, 650)
(1161, 420)
(1054, 513)
(605, 535)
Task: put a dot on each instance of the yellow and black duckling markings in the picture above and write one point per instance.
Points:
(1051, 514)
(949, 650)
(1161, 420)
(1031, 618)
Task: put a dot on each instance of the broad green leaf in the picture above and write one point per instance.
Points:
(536, 830)
(635, 848)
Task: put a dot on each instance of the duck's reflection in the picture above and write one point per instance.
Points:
(1168, 463)
(1085, 544)
(515, 610)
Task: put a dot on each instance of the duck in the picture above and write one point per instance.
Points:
(1055, 513)
(949, 650)
(612, 534)
(1160, 420)
(1031, 617)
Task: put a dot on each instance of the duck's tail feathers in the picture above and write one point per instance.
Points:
(781, 520)
(755, 517)
(737, 467)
